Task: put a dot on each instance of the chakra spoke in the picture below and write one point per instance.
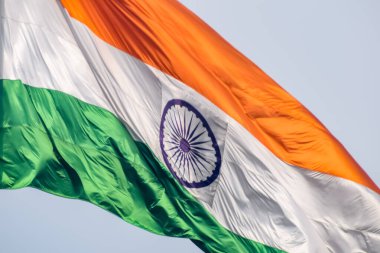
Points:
(173, 127)
(174, 120)
(192, 133)
(205, 171)
(200, 156)
(196, 137)
(193, 158)
(174, 138)
(173, 142)
(170, 149)
(188, 167)
(184, 125)
(200, 148)
(193, 165)
(179, 122)
(179, 154)
(189, 126)
(199, 142)
(180, 163)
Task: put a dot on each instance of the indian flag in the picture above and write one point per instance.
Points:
(140, 108)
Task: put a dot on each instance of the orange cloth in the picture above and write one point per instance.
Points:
(166, 35)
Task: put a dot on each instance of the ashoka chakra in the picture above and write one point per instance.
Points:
(188, 145)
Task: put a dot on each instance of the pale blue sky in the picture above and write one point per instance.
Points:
(326, 53)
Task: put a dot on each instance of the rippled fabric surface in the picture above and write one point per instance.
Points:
(58, 144)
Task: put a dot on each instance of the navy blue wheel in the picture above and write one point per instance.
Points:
(188, 145)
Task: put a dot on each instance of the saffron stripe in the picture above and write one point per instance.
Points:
(167, 36)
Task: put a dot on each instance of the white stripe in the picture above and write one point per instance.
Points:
(257, 195)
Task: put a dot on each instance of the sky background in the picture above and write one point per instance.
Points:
(325, 53)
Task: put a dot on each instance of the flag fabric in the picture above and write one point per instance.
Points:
(140, 108)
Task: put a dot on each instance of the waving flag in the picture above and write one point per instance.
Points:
(140, 108)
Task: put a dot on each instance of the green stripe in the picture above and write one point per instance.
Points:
(61, 145)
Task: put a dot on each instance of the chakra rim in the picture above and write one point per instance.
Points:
(188, 145)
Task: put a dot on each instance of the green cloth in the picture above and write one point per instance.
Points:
(56, 143)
